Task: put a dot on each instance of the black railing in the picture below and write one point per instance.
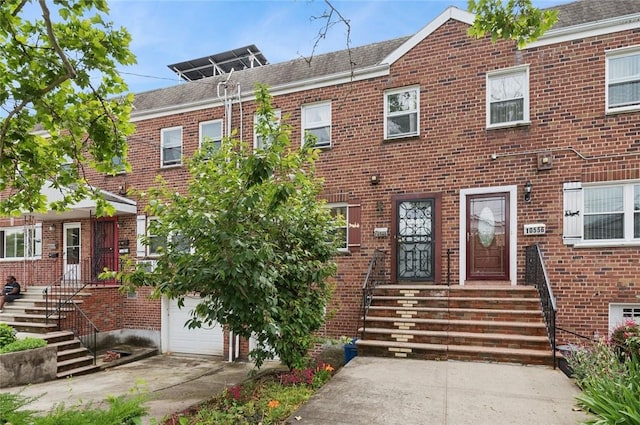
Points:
(536, 274)
(375, 276)
(60, 305)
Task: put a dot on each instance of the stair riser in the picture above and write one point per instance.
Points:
(69, 345)
(459, 292)
(60, 338)
(448, 355)
(444, 340)
(487, 327)
(36, 319)
(79, 363)
(65, 357)
(515, 304)
(499, 316)
(36, 330)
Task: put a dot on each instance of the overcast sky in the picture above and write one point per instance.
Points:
(170, 31)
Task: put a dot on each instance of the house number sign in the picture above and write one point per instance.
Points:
(535, 229)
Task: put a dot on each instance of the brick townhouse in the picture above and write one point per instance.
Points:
(448, 155)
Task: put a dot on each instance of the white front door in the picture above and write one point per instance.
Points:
(71, 252)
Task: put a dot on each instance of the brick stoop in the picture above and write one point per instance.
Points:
(27, 316)
(488, 323)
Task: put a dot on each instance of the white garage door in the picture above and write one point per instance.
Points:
(181, 339)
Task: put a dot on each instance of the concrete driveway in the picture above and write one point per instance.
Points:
(173, 382)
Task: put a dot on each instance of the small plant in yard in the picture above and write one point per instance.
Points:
(23, 344)
(267, 400)
(7, 334)
(609, 375)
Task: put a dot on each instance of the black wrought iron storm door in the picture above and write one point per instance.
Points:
(415, 240)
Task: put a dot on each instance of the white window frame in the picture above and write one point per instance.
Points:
(516, 70)
(578, 207)
(31, 242)
(616, 54)
(201, 135)
(163, 147)
(257, 140)
(344, 205)
(616, 314)
(388, 115)
(308, 126)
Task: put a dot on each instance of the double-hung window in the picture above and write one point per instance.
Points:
(316, 120)
(508, 97)
(401, 112)
(341, 210)
(171, 146)
(21, 242)
(623, 80)
(272, 127)
(211, 131)
(602, 214)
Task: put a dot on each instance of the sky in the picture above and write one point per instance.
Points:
(170, 31)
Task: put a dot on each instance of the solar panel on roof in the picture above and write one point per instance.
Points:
(220, 63)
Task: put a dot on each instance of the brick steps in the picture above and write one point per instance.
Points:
(491, 323)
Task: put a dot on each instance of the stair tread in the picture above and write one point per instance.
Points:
(456, 321)
(479, 335)
(411, 298)
(522, 288)
(52, 334)
(32, 324)
(458, 348)
(74, 360)
(72, 351)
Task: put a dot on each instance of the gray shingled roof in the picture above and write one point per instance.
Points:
(274, 75)
(583, 11)
(298, 70)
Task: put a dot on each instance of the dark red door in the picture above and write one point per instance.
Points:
(105, 253)
(488, 237)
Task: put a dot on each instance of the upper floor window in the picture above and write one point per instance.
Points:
(508, 97)
(171, 146)
(20, 242)
(211, 131)
(118, 165)
(602, 214)
(316, 120)
(401, 112)
(258, 142)
(623, 81)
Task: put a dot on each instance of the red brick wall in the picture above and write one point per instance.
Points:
(452, 152)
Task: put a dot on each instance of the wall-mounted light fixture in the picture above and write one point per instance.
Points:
(52, 227)
(375, 179)
(528, 187)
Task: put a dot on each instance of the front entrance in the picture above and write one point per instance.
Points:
(416, 232)
(71, 254)
(487, 236)
(105, 254)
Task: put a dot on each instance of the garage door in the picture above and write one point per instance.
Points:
(181, 339)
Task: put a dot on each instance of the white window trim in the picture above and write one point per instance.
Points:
(203, 123)
(417, 112)
(629, 240)
(37, 235)
(617, 53)
(613, 323)
(346, 225)
(323, 124)
(278, 115)
(527, 95)
(162, 132)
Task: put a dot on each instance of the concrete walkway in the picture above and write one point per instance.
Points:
(366, 391)
(385, 391)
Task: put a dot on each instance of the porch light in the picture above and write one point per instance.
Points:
(528, 187)
(52, 227)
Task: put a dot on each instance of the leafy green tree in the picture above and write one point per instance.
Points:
(515, 20)
(251, 238)
(62, 101)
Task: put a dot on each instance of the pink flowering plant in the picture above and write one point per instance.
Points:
(625, 339)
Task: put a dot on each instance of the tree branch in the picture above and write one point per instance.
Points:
(54, 41)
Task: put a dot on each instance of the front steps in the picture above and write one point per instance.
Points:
(28, 316)
(501, 324)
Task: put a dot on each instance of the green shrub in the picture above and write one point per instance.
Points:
(23, 344)
(7, 334)
(594, 361)
(613, 398)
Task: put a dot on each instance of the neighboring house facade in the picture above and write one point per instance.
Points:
(450, 154)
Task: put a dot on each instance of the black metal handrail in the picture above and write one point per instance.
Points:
(536, 274)
(375, 275)
(67, 313)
